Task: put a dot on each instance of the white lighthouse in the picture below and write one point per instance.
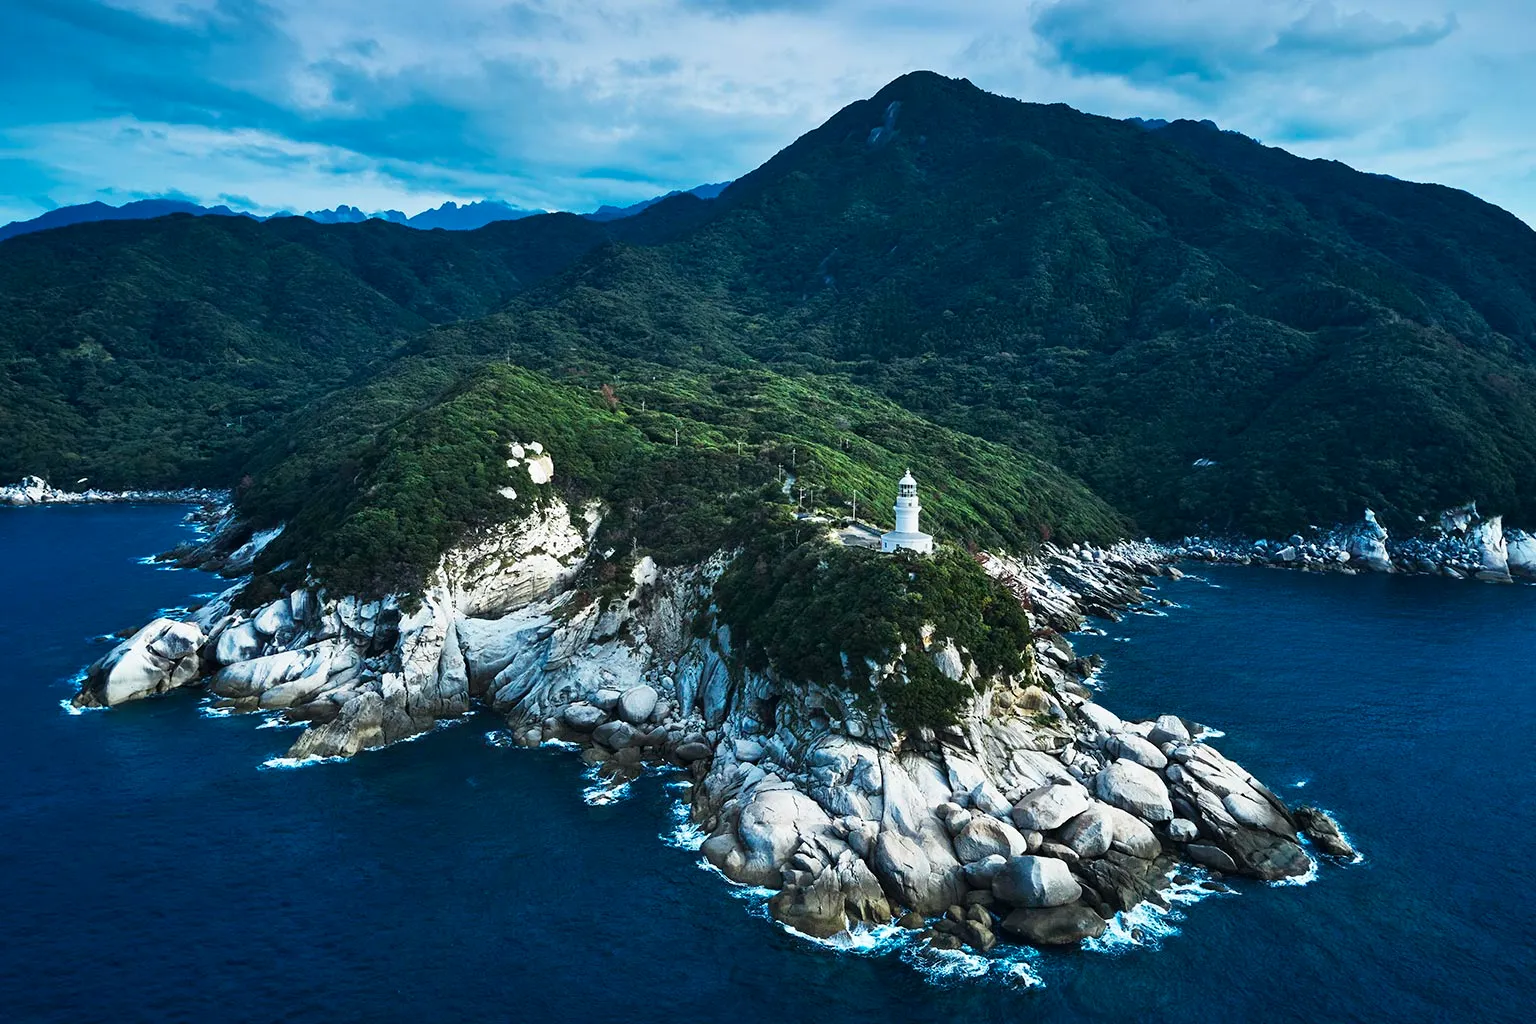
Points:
(907, 509)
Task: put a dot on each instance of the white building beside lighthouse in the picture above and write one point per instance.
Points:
(908, 509)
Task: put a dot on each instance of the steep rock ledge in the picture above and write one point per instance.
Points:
(1038, 815)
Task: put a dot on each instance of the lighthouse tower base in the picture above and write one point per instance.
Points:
(922, 543)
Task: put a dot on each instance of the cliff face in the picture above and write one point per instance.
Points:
(1037, 813)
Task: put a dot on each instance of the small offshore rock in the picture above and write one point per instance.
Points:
(1319, 826)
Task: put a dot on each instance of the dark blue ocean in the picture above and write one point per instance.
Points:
(152, 870)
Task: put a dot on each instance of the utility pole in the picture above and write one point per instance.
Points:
(855, 506)
(676, 436)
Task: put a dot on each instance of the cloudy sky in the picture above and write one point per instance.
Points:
(565, 104)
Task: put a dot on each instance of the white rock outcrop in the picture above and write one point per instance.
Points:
(159, 657)
(1367, 545)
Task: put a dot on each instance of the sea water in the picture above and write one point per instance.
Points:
(151, 869)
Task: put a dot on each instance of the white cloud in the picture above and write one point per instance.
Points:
(271, 171)
(560, 103)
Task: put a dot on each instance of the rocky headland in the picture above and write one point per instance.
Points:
(1036, 817)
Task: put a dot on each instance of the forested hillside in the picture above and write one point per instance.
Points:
(1127, 303)
(1209, 332)
(151, 353)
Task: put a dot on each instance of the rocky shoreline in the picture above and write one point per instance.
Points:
(1036, 818)
(34, 490)
(1460, 545)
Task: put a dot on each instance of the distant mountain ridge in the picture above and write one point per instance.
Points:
(451, 216)
(142, 209)
(606, 212)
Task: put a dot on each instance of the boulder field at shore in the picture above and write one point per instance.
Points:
(1037, 817)
(34, 490)
(1461, 544)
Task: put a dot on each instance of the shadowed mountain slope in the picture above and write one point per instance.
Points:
(1209, 332)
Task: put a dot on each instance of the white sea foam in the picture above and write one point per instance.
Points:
(560, 745)
(1146, 925)
(603, 791)
(1017, 971)
(1300, 783)
(1012, 966)
(1305, 878)
(1008, 965)
(685, 833)
(1142, 927)
(1208, 732)
(500, 738)
(941, 965)
(749, 893)
(70, 709)
(1358, 858)
(208, 709)
(298, 762)
(277, 721)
